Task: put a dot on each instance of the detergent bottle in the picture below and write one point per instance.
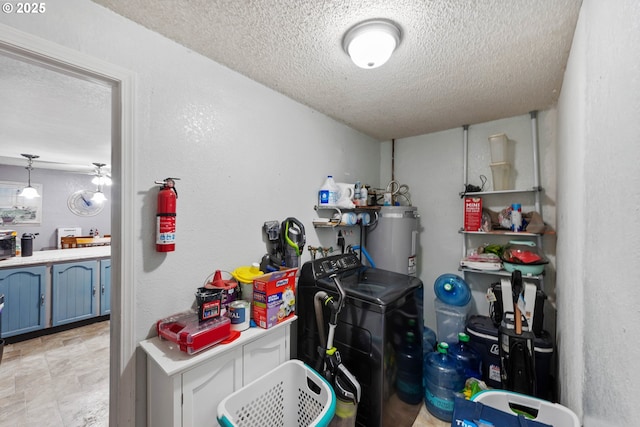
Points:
(329, 193)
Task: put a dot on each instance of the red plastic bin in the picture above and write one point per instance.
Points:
(190, 334)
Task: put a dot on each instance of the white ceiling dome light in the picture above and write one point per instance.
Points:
(371, 43)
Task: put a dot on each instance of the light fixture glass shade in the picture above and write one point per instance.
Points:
(98, 197)
(371, 43)
(101, 180)
(29, 192)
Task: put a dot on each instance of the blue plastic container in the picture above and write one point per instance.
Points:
(451, 289)
(467, 356)
(443, 380)
(409, 375)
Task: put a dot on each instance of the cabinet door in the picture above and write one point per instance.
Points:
(105, 286)
(264, 354)
(204, 387)
(24, 293)
(74, 291)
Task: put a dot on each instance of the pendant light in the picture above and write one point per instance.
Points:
(29, 192)
(371, 43)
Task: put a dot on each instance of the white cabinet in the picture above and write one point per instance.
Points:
(185, 390)
(263, 355)
(204, 386)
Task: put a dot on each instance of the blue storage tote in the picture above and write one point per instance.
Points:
(542, 411)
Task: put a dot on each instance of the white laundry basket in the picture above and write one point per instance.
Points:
(543, 411)
(290, 395)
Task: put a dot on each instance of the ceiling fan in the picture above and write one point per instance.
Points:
(101, 177)
(100, 173)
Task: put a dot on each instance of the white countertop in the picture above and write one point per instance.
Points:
(172, 360)
(57, 255)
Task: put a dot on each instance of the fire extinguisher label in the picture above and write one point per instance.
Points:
(166, 230)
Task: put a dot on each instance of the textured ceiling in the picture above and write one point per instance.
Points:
(459, 62)
(61, 118)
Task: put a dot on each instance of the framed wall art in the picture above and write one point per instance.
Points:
(17, 210)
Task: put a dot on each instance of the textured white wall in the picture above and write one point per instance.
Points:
(599, 203)
(245, 155)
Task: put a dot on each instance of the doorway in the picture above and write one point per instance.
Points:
(122, 342)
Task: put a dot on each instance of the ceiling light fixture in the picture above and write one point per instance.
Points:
(98, 196)
(100, 178)
(29, 192)
(371, 43)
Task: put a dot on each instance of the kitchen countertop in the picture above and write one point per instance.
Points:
(57, 255)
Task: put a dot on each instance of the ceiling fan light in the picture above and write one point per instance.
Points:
(98, 197)
(29, 192)
(101, 180)
(370, 44)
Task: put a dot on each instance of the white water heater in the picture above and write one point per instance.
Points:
(393, 239)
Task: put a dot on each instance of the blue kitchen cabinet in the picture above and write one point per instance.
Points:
(24, 292)
(105, 286)
(74, 292)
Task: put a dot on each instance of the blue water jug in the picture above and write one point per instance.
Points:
(443, 379)
(409, 375)
(452, 289)
(467, 356)
(429, 341)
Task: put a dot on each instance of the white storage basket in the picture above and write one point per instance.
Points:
(543, 411)
(290, 395)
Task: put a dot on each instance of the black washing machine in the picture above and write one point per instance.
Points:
(380, 307)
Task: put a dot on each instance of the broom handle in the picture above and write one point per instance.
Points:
(517, 319)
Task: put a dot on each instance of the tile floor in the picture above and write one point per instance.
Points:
(58, 380)
(62, 380)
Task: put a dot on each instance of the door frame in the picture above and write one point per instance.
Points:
(122, 370)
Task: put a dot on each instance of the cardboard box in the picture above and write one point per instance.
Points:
(274, 297)
(472, 214)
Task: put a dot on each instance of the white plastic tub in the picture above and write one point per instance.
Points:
(450, 319)
(499, 148)
(501, 176)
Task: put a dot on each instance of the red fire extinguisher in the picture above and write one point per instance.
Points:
(166, 216)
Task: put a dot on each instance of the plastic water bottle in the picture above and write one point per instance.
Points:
(443, 379)
(356, 193)
(409, 375)
(329, 193)
(516, 217)
(467, 356)
(364, 196)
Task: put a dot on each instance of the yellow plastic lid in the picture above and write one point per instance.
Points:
(247, 273)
